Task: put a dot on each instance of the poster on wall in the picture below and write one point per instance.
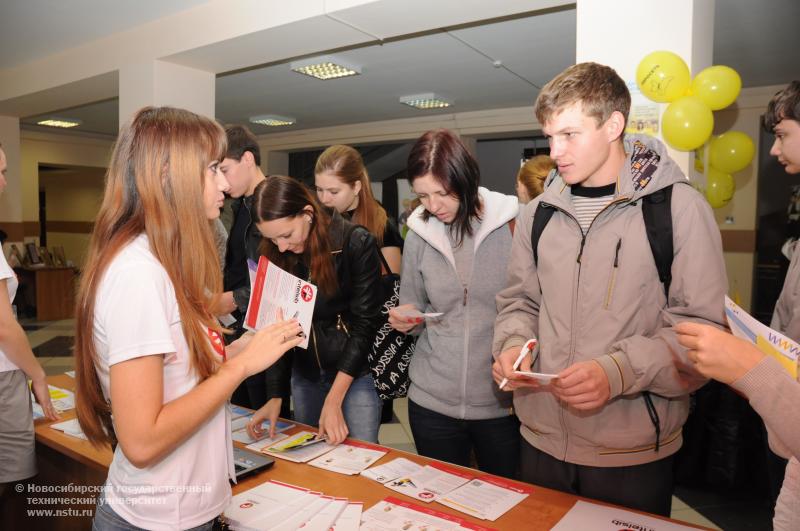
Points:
(406, 203)
(644, 115)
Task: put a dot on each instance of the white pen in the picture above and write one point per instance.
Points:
(526, 349)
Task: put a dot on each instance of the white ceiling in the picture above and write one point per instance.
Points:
(757, 38)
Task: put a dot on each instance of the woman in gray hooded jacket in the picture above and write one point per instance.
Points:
(454, 263)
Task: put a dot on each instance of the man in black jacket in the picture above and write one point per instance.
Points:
(241, 167)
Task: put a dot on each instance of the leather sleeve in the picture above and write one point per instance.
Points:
(364, 301)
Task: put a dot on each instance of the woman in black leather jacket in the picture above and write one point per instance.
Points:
(331, 383)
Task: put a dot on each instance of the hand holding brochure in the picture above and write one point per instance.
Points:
(768, 341)
(273, 290)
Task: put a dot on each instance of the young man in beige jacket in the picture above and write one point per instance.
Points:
(609, 425)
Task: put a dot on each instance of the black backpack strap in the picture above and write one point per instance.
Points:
(541, 217)
(657, 214)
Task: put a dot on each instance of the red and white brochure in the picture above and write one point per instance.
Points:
(253, 508)
(350, 457)
(586, 515)
(430, 483)
(273, 289)
(393, 513)
(486, 497)
(324, 519)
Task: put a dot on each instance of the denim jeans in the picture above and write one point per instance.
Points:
(494, 441)
(361, 407)
(105, 519)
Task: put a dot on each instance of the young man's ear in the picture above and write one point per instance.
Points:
(614, 126)
(248, 158)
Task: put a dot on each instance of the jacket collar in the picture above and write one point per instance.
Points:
(498, 209)
(647, 169)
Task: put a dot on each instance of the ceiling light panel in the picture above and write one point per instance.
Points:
(426, 101)
(327, 67)
(272, 120)
(64, 123)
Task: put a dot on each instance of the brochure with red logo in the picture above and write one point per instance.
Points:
(585, 515)
(393, 513)
(430, 483)
(256, 507)
(486, 497)
(272, 289)
(350, 457)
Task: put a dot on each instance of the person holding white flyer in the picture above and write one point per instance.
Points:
(762, 379)
(454, 262)
(331, 383)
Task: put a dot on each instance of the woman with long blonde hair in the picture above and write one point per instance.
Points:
(148, 349)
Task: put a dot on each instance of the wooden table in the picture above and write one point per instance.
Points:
(51, 289)
(65, 459)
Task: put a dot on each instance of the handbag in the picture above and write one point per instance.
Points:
(391, 351)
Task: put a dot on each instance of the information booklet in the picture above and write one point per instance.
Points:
(430, 483)
(301, 447)
(350, 457)
(486, 497)
(350, 519)
(768, 341)
(274, 289)
(585, 515)
(393, 513)
(257, 508)
(392, 470)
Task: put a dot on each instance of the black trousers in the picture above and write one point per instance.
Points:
(495, 442)
(646, 487)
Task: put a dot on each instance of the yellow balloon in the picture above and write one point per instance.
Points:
(719, 187)
(718, 86)
(687, 123)
(731, 151)
(663, 76)
(699, 158)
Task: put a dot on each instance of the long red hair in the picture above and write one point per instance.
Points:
(283, 197)
(154, 185)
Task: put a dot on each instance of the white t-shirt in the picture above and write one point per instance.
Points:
(136, 314)
(7, 274)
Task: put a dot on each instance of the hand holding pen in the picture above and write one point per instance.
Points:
(504, 368)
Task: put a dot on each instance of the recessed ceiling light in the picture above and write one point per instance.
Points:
(66, 123)
(272, 120)
(426, 101)
(327, 67)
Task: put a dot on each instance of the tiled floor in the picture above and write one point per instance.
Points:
(398, 435)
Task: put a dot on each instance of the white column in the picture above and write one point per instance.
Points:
(619, 33)
(11, 199)
(161, 83)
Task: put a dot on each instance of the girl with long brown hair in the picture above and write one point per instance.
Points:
(330, 381)
(148, 349)
(342, 182)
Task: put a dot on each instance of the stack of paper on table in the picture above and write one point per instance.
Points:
(282, 507)
(350, 457)
(62, 400)
(585, 515)
(486, 497)
(430, 483)
(392, 470)
(70, 427)
(392, 513)
(288, 448)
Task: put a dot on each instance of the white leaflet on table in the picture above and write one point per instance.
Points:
(393, 513)
(350, 518)
(276, 290)
(392, 470)
(70, 427)
(71, 374)
(307, 512)
(486, 497)
(585, 515)
(430, 483)
(249, 509)
(324, 519)
(351, 457)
